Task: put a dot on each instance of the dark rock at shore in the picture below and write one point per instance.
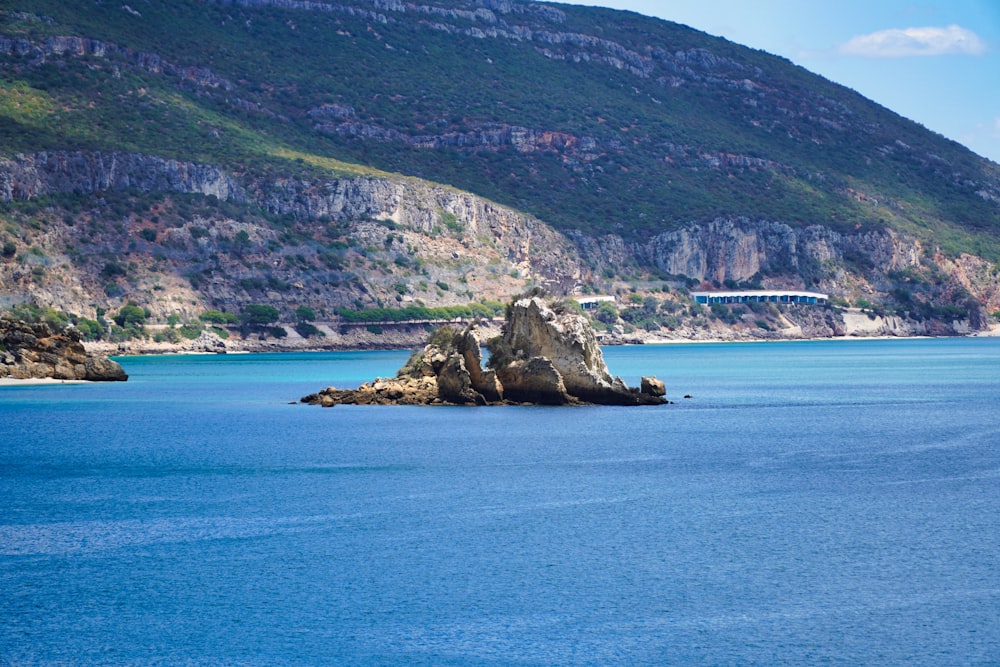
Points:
(544, 356)
(35, 351)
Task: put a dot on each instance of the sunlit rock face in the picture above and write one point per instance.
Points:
(35, 351)
(544, 356)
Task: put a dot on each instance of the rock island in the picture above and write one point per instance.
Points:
(545, 355)
(34, 351)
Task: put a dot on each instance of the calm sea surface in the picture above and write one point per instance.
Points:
(812, 503)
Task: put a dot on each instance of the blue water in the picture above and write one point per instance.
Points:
(812, 503)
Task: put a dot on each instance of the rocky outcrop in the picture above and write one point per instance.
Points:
(552, 356)
(32, 175)
(65, 46)
(36, 351)
(739, 248)
(520, 239)
(446, 371)
(544, 356)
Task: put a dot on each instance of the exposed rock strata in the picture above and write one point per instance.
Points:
(35, 351)
(83, 47)
(866, 263)
(518, 238)
(542, 357)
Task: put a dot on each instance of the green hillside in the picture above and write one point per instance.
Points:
(636, 124)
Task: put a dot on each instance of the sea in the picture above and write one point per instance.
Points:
(803, 503)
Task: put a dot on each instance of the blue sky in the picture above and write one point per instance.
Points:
(934, 61)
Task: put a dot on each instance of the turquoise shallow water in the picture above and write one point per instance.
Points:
(812, 503)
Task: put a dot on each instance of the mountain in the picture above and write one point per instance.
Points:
(359, 154)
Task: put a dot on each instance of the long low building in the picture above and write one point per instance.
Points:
(759, 296)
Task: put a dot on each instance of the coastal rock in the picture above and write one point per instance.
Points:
(207, 342)
(396, 391)
(34, 350)
(543, 356)
(652, 387)
(100, 369)
(534, 380)
(567, 340)
(455, 383)
(434, 375)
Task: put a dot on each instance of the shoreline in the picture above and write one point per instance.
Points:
(31, 382)
(413, 335)
(141, 349)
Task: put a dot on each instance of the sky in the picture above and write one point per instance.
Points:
(936, 62)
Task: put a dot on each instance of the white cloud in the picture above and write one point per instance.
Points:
(901, 43)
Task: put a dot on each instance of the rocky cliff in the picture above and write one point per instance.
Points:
(36, 351)
(367, 241)
(31, 175)
(927, 289)
(325, 242)
(412, 204)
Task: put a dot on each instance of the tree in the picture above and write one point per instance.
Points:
(606, 313)
(305, 314)
(89, 329)
(307, 330)
(218, 317)
(257, 315)
(130, 313)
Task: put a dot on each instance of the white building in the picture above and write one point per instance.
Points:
(760, 296)
(593, 302)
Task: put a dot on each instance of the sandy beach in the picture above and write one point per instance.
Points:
(26, 382)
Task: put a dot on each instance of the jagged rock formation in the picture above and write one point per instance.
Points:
(544, 356)
(36, 351)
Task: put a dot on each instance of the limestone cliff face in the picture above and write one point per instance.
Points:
(409, 203)
(454, 234)
(36, 351)
(738, 249)
(33, 175)
(869, 264)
